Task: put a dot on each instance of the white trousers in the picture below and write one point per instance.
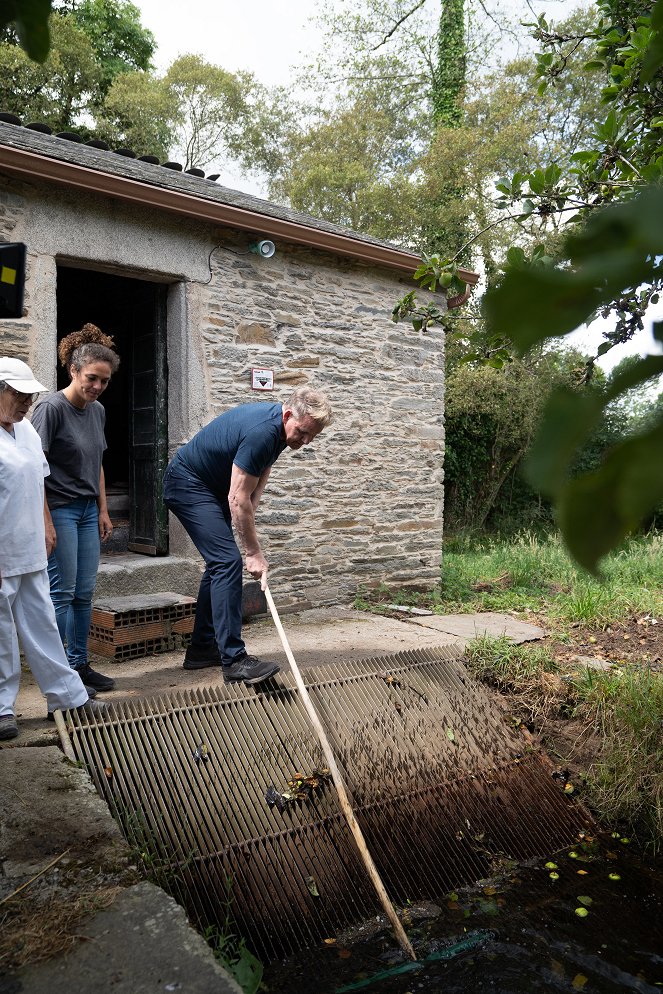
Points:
(26, 610)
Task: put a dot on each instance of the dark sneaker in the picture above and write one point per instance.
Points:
(89, 709)
(97, 681)
(8, 726)
(200, 657)
(249, 669)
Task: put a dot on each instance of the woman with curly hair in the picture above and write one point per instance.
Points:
(71, 425)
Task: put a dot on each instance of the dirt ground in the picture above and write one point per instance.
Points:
(632, 642)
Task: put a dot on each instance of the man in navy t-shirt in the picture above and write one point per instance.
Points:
(214, 484)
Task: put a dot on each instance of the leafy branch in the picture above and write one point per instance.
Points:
(30, 18)
(620, 249)
(397, 25)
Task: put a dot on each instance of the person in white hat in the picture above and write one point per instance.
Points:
(26, 609)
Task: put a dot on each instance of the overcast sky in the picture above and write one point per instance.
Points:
(262, 36)
(268, 38)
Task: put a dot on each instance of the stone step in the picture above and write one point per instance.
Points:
(123, 574)
(129, 574)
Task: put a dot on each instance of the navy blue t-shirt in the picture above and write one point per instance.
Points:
(248, 436)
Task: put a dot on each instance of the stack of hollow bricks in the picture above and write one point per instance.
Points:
(122, 630)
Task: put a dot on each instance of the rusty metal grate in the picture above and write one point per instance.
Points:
(441, 786)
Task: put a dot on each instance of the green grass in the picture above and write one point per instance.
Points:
(502, 664)
(529, 674)
(531, 573)
(625, 784)
(536, 574)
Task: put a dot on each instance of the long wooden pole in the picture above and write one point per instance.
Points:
(376, 880)
(64, 736)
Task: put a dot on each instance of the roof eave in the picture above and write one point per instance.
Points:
(31, 165)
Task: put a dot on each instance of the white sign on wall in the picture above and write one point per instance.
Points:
(262, 379)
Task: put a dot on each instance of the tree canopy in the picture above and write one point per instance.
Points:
(354, 166)
(62, 88)
(607, 261)
(212, 108)
(120, 42)
(91, 42)
(98, 79)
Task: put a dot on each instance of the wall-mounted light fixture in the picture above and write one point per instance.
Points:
(264, 248)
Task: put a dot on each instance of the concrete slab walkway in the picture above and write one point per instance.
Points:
(317, 637)
(469, 626)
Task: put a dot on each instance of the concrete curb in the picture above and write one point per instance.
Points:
(143, 943)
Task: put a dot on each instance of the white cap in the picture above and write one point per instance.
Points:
(17, 374)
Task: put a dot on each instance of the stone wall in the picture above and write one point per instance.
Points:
(360, 506)
(363, 503)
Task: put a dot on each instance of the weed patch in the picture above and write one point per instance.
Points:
(620, 710)
(625, 785)
(528, 674)
(231, 950)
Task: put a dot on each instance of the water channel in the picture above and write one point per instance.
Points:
(586, 919)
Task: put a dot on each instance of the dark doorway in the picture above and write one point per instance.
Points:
(134, 312)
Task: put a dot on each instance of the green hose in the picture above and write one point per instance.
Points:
(444, 954)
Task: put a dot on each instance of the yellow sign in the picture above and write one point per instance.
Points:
(7, 275)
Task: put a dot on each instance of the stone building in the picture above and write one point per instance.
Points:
(161, 260)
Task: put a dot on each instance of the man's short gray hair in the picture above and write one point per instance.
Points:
(307, 401)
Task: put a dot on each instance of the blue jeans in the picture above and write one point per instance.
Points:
(72, 572)
(206, 518)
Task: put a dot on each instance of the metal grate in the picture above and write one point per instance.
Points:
(441, 786)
